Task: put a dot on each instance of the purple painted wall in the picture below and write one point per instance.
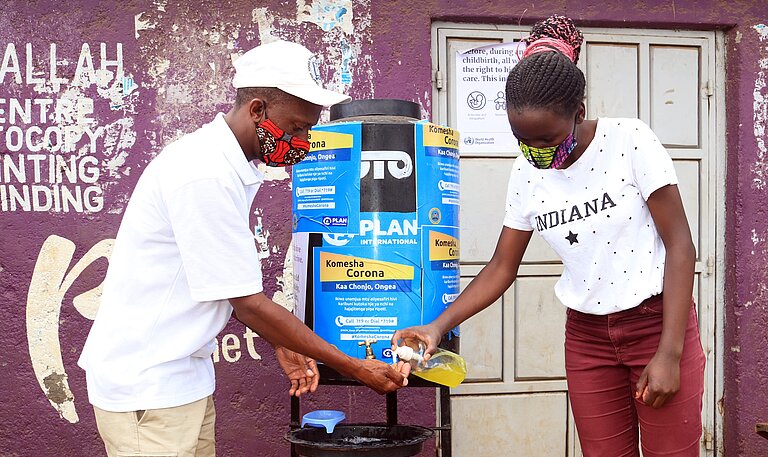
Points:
(746, 247)
(168, 71)
(106, 116)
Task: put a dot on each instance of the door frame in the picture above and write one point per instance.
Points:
(716, 179)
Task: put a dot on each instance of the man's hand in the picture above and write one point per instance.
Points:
(301, 371)
(283, 330)
(379, 376)
(659, 381)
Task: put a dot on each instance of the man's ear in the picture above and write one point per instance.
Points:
(257, 110)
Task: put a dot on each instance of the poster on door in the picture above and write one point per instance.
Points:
(481, 107)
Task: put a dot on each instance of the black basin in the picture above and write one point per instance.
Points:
(373, 440)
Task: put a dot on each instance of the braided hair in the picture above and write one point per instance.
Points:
(547, 76)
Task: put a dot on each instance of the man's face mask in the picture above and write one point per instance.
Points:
(277, 148)
(553, 156)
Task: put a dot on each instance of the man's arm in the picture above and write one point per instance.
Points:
(281, 328)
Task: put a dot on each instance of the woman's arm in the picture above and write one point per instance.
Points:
(661, 378)
(487, 287)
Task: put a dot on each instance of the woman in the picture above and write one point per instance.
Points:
(603, 194)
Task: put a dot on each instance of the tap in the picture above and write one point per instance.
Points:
(368, 349)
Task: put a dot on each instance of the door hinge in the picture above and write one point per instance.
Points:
(709, 441)
(438, 79)
(709, 266)
(709, 88)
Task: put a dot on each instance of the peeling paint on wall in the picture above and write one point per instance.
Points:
(285, 295)
(141, 24)
(264, 20)
(326, 14)
(760, 109)
(343, 36)
(50, 282)
(762, 30)
(339, 48)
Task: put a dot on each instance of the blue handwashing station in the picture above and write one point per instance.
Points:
(375, 224)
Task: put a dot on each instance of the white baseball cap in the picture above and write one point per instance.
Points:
(287, 66)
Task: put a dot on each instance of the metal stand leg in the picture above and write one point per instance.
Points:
(392, 408)
(444, 443)
(295, 411)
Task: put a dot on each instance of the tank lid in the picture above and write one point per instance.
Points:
(376, 107)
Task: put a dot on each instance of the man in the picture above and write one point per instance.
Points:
(185, 258)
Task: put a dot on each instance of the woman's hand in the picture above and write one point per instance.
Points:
(659, 381)
(427, 336)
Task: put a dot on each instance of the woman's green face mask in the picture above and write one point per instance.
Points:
(552, 156)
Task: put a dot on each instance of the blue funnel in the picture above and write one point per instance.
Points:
(323, 418)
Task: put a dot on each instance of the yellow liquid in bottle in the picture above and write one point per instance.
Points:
(449, 369)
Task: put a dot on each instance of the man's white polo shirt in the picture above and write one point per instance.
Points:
(183, 248)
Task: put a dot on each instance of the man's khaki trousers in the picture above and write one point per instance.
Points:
(181, 431)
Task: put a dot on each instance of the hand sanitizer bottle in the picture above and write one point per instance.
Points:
(444, 367)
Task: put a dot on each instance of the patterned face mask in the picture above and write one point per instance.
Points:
(279, 149)
(552, 156)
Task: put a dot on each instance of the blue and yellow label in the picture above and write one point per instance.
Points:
(440, 141)
(365, 292)
(442, 282)
(326, 184)
(443, 251)
(438, 188)
(350, 273)
(325, 146)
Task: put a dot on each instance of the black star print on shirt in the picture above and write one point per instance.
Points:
(572, 237)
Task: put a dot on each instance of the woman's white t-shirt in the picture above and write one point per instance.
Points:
(594, 216)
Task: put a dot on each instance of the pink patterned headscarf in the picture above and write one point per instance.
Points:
(545, 44)
(556, 33)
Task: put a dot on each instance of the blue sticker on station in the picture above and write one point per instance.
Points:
(438, 183)
(326, 184)
(440, 257)
(364, 294)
